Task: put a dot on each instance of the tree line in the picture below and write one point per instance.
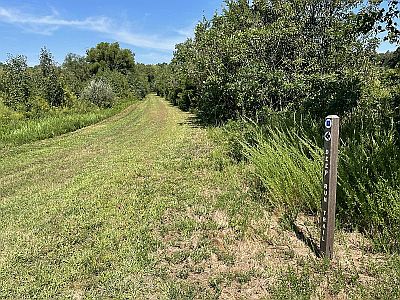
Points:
(105, 74)
(315, 57)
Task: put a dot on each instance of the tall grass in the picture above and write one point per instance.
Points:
(15, 130)
(288, 162)
(369, 186)
(289, 166)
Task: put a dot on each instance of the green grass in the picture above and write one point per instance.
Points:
(20, 131)
(289, 166)
(144, 205)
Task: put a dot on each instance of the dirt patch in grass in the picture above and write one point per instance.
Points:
(232, 266)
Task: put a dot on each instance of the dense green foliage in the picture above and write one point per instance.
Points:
(75, 72)
(277, 55)
(49, 81)
(390, 59)
(107, 56)
(16, 83)
(286, 65)
(70, 94)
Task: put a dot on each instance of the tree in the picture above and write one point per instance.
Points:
(273, 54)
(376, 17)
(1, 77)
(394, 59)
(75, 72)
(50, 85)
(16, 83)
(106, 56)
(139, 80)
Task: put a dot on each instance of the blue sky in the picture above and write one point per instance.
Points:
(149, 28)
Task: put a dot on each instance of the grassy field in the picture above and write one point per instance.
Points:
(54, 123)
(145, 205)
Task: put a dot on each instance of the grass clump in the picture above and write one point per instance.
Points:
(287, 160)
(369, 186)
(293, 284)
(288, 165)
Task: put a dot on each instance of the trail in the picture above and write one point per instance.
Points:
(95, 213)
(145, 205)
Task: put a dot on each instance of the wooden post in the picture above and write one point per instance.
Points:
(328, 206)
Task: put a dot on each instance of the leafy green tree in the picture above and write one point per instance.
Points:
(161, 79)
(50, 85)
(273, 55)
(106, 56)
(139, 80)
(118, 81)
(394, 59)
(1, 77)
(379, 16)
(16, 83)
(75, 72)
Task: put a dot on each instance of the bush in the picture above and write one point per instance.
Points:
(99, 93)
(118, 82)
(38, 106)
(7, 115)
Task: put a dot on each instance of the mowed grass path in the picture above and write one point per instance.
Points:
(105, 212)
(145, 205)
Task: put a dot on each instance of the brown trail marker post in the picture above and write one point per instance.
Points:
(328, 205)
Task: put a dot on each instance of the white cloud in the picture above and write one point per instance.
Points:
(153, 57)
(187, 31)
(48, 24)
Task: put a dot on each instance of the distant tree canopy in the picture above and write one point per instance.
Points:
(106, 56)
(75, 70)
(104, 76)
(390, 59)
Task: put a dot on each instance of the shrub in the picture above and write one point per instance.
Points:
(38, 106)
(118, 81)
(99, 93)
(7, 115)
